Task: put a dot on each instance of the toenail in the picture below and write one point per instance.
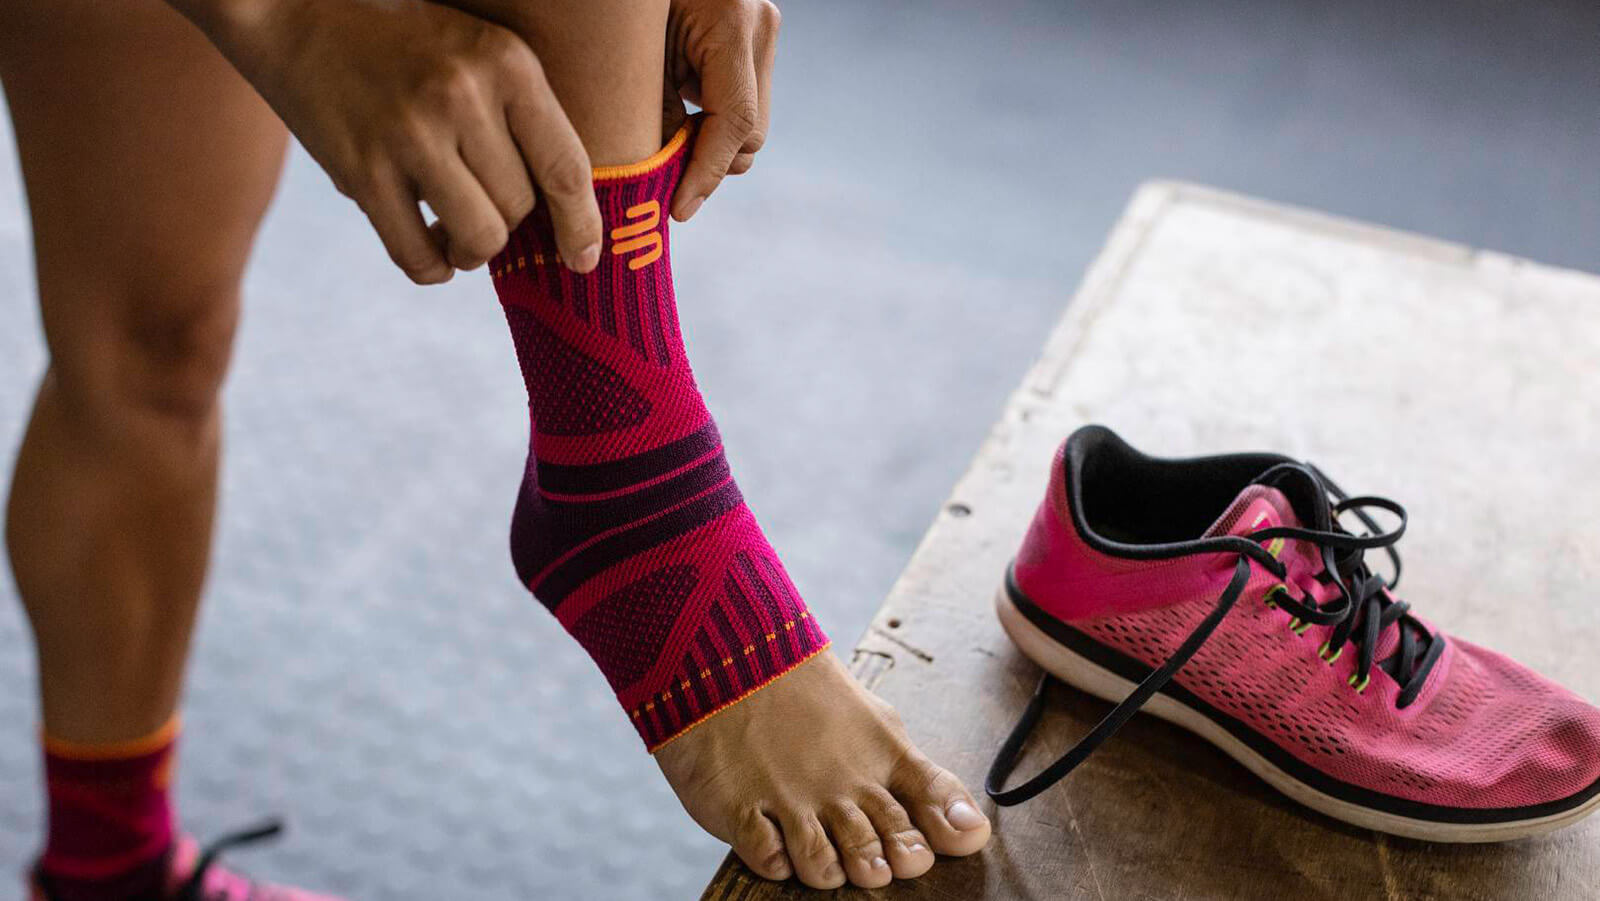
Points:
(879, 863)
(964, 816)
(914, 847)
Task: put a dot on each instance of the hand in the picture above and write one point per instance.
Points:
(406, 101)
(719, 57)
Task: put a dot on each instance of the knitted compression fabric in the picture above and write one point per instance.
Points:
(111, 823)
(629, 525)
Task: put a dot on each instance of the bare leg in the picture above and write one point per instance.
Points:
(811, 775)
(148, 164)
(605, 59)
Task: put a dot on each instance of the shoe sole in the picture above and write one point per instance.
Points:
(1086, 675)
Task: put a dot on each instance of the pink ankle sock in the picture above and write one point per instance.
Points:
(629, 525)
(111, 823)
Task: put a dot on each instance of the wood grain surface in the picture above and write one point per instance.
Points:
(1461, 383)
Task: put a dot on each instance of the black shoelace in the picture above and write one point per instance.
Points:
(194, 888)
(1361, 610)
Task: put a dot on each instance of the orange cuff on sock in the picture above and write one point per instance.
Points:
(134, 747)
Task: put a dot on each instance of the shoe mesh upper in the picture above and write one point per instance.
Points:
(1485, 732)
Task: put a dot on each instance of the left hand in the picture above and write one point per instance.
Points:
(719, 57)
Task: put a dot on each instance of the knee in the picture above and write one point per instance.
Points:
(161, 352)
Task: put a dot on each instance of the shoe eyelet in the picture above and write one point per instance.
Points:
(1360, 685)
(1274, 592)
(1323, 653)
(1299, 627)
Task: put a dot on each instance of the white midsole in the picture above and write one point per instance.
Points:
(1083, 674)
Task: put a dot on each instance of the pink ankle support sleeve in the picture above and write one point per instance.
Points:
(629, 525)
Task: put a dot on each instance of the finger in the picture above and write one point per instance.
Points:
(393, 210)
(474, 229)
(560, 167)
(766, 52)
(440, 239)
(493, 156)
(856, 842)
(731, 112)
(904, 846)
(766, 57)
(759, 844)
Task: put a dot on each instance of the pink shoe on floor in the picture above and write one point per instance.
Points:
(1222, 594)
(194, 876)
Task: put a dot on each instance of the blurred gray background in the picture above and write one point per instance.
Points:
(938, 176)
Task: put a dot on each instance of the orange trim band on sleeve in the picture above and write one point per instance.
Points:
(713, 712)
(654, 162)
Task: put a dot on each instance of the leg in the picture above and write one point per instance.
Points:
(808, 773)
(605, 61)
(147, 172)
(148, 164)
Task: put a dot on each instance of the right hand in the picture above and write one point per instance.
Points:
(407, 101)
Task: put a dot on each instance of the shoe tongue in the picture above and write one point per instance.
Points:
(1257, 507)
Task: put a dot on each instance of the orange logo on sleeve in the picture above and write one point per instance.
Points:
(639, 234)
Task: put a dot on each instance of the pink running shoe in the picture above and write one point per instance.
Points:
(194, 876)
(1222, 594)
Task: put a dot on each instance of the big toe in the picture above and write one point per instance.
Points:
(941, 807)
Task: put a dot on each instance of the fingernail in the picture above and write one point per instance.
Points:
(964, 816)
(588, 258)
(692, 207)
(879, 863)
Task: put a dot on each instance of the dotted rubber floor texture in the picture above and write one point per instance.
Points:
(857, 309)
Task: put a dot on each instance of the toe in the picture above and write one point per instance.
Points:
(811, 851)
(904, 846)
(941, 807)
(759, 844)
(856, 842)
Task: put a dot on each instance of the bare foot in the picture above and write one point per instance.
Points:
(814, 776)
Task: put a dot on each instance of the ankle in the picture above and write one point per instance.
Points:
(110, 816)
(629, 525)
(563, 509)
